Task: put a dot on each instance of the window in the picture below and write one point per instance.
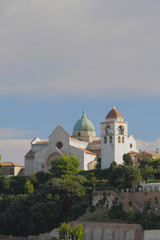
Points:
(119, 139)
(130, 145)
(122, 139)
(108, 130)
(105, 139)
(11, 171)
(110, 139)
(42, 165)
(59, 145)
(79, 134)
(121, 130)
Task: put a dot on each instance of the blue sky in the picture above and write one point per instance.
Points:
(58, 57)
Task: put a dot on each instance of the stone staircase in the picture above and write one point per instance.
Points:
(125, 202)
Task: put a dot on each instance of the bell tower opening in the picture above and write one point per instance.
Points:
(121, 130)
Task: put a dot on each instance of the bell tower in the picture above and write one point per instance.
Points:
(115, 141)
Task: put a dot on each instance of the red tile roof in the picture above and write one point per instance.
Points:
(114, 113)
(6, 164)
(96, 141)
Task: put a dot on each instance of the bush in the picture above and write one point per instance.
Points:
(92, 208)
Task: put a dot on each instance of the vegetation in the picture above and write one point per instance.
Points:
(42, 201)
(74, 233)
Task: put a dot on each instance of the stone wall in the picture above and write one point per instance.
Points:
(111, 231)
(152, 235)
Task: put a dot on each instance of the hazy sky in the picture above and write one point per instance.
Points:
(58, 56)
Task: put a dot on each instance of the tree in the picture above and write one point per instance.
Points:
(67, 232)
(130, 216)
(98, 166)
(127, 160)
(28, 187)
(78, 232)
(124, 176)
(147, 172)
(64, 165)
(0, 166)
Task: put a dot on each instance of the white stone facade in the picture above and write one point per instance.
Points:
(115, 141)
(84, 144)
(59, 143)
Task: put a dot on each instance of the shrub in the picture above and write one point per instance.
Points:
(92, 208)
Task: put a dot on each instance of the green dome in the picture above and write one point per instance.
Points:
(84, 124)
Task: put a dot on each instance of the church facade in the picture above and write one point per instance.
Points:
(84, 144)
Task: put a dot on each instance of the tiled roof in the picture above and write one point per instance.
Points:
(133, 152)
(96, 151)
(154, 154)
(42, 142)
(86, 151)
(96, 141)
(114, 113)
(7, 164)
(76, 139)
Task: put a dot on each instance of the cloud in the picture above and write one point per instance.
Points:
(13, 133)
(14, 150)
(79, 47)
(148, 146)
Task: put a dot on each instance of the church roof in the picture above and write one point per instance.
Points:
(114, 113)
(84, 124)
(87, 151)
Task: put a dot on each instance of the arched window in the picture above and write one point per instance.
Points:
(121, 130)
(110, 139)
(108, 130)
(122, 139)
(119, 139)
(130, 145)
(105, 139)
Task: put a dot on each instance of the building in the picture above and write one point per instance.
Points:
(115, 141)
(137, 157)
(83, 144)
(12, 169)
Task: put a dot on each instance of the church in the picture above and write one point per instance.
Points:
(84, 144)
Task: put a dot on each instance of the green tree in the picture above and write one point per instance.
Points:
(0, 165)
(130, 215)
(64, 165)
(28, 187)
(147, 172)
(78, 232)
(127, 159)
(65, 231)
(123, 176)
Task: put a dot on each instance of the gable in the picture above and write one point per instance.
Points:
(59, 135)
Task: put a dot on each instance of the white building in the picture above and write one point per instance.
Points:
(83, 144)
(115, 141)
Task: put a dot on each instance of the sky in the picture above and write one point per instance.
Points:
(58, 57)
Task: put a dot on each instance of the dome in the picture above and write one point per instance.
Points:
(84, 124)
(114, 114)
